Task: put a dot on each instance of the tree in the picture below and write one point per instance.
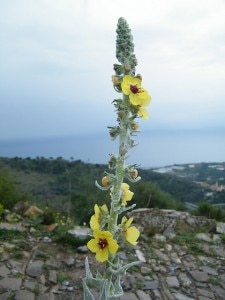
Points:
(8, 193)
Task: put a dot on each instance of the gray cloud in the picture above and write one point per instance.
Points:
(56, 64)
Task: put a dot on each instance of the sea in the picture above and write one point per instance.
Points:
(153, 148)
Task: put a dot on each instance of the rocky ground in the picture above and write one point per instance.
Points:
(176, 265)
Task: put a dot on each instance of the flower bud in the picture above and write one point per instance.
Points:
(127, 67)
(115, 80)
(105, 181)
(119, 69)
(134, 173)
(114, 131)
(112, 162)
(134, 126)
(120, 114)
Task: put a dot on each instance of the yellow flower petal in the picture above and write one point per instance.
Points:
(93, 245)
(141, 98)
(126, 193)
(94, 223)
(124, 220)
(124, 186)
(96, 218)
(132, 234)
(96, 209)
(96, 234)
(143, 113)
(127, 196)
(102, 255)
(104, 208)
(145, 97)
(128, 222)
(136, 81)
(113, 246)
(105, 234)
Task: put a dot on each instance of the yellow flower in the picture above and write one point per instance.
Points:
(95, 221)
(126, 193)
(131, 86)
(131, 233)
(143, 113)
(102, 244)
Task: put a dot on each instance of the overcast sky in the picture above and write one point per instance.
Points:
(56, 60)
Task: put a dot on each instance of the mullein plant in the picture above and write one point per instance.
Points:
(109, 229)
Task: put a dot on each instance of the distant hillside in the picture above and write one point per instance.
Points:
(206, 180)
(69, 186)
(208, 172)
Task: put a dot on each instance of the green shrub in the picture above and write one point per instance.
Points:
(222, 236)
(9, 195)
(48, 217)
(10, 234)
(210, 211)
(148, 194)
(1, 210)
(68, 239)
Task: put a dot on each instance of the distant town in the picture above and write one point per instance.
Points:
(214, 187)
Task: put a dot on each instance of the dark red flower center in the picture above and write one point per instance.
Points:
(134, 89)
(102, 243)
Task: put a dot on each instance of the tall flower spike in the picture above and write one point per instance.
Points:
(125, 46)
(107, 232)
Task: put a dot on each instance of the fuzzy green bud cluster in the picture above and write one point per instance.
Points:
(125, 48)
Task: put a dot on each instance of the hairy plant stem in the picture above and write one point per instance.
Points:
(119, 173)
(119, 176)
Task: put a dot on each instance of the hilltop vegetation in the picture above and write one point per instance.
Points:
(69, 186)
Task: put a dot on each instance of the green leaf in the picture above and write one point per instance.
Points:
(93, 282)
(104, 292)
(116, 289)
(87, 269)
(128, 266)
(87, 293)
